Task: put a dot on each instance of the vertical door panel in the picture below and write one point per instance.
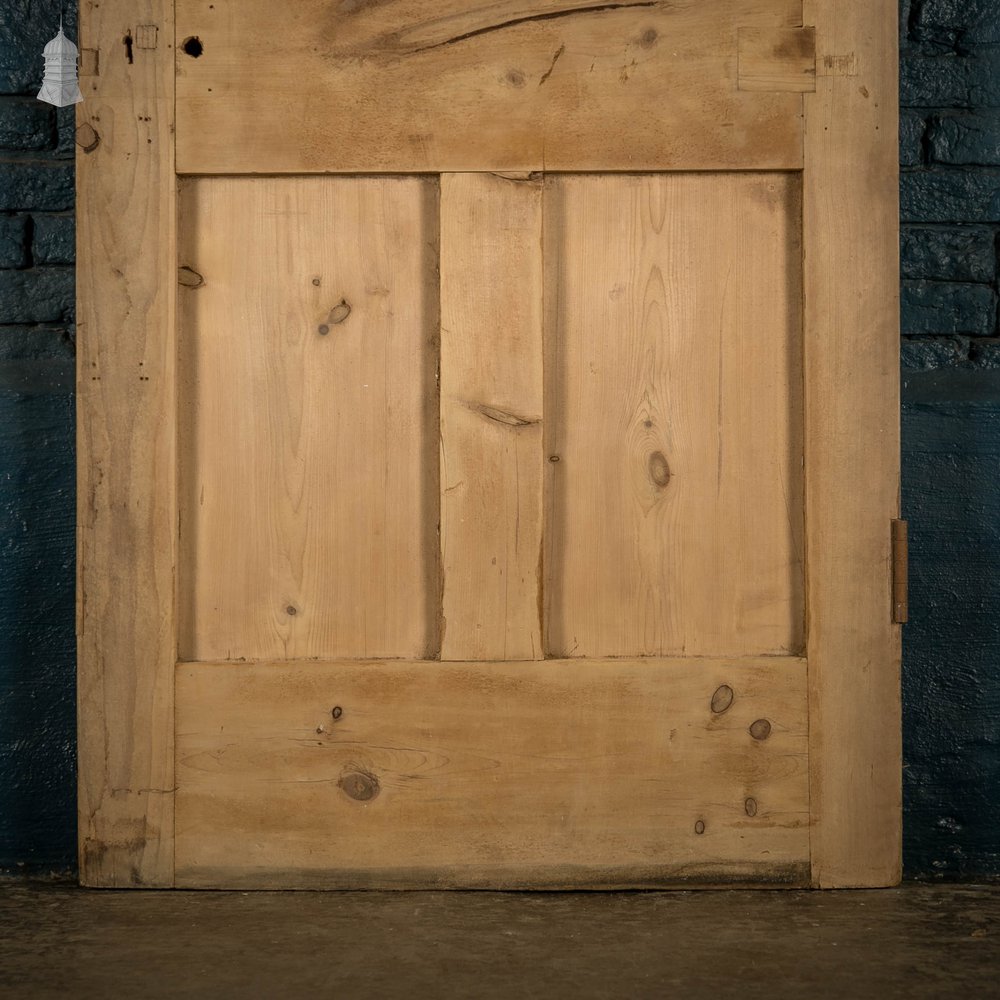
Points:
(674, 403)
(491, 416)
(308, 470)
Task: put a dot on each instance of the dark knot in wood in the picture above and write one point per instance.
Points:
(359, 785)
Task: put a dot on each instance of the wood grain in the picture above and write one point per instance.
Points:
(777, 59)
(497, 775)
(852, 423)
(126, 500)
(674, 427)
(406, 85)
(491, 416)
(308, 458)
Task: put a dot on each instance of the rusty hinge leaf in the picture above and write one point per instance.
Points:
(900, 572)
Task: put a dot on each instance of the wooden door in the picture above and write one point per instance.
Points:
(488, 444)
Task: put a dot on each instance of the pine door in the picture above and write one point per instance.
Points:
(488, 444)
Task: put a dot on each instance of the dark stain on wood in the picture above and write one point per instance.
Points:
(798, 44)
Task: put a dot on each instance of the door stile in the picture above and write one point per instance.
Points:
(851, 325)
(126, 409)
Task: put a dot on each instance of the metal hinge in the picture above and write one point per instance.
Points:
(900, 573)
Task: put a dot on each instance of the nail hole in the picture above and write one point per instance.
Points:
(193, 47)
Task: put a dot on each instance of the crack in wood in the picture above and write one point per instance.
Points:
(552, 65)
(502, 416)
(551, 16)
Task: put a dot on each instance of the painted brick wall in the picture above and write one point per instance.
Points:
(950, 203)
(949, 154)
(950, 212)
(37, 646)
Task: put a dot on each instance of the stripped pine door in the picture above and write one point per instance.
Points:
(488, 444)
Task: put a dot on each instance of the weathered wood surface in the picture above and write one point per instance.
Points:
(674, 516)
(546, 774)
(406, 85)
(852, 424)
(491, 417)
(126, 501)
(308, 458)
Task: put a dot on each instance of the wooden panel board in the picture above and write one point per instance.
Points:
(502, 775)
(674, 415)
(852, 423)
(405, 85)
(491, 413)
(126, 500)
(308, 435)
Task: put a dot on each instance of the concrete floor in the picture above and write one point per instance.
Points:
(915, 942)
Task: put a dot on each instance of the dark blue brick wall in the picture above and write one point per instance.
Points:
(37, 499)
(950, 208)
(950, 214)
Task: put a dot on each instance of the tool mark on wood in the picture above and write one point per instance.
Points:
(552, 65)
(551, 16)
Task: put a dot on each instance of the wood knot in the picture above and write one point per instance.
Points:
(659, 470)
(722, 700)
(761, 729)
(87, 138)
(750, 806)
(339, 312)
(189, 277)
(359, 785)
(699, 827)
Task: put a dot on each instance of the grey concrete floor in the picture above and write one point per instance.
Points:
(918, 941)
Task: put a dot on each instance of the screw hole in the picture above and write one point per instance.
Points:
(193, 47)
